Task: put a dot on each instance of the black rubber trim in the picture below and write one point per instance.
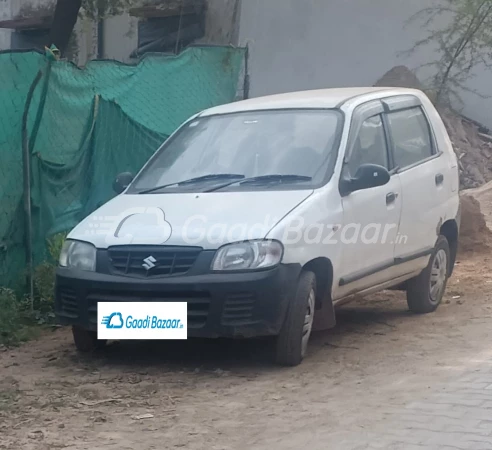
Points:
(365, 273)
(392, 167)
(458, 217)
(379, 268)
(408, 258)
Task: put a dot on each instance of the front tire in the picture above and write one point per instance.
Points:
(291, 343)
(86, 341)
(425, 292)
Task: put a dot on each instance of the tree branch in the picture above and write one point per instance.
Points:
(64, 20)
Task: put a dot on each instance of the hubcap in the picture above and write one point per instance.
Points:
(308, 321)
(438, 276)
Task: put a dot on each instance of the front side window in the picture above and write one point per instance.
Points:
(370, 146)
(412, 140)
(250, 144)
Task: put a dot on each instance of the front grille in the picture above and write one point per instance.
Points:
(198, 302)
(238, 309)
(68, 303)
(150, 262)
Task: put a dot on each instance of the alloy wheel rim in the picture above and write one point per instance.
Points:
(438, 276)
(308, 321)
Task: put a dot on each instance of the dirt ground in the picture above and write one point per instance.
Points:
(226, 395)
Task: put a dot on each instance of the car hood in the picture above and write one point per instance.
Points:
(207, 220)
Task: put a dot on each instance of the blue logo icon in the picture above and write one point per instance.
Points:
(115, 320)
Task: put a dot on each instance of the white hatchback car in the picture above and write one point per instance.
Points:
(261, 213)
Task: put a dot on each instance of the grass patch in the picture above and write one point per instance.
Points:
(20, 318)
(15, 326)
(10, 317)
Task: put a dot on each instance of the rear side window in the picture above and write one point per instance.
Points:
(411, 135)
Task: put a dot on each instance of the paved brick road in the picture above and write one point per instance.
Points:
(456, 415)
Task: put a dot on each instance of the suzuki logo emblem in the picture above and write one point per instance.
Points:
(149, 263)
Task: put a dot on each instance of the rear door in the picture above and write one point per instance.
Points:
(424, 180)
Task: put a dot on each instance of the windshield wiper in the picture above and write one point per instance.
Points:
(218, 176)
(280, 179)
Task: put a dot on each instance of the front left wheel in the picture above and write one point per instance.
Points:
(292, 342)
(86, 341)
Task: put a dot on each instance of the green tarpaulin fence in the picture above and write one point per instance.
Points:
(87, 125)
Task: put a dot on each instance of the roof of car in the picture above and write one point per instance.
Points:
(322, 98)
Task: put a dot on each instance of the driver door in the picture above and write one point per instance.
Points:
(371, 216)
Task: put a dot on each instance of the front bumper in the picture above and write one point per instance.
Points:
(241, 305)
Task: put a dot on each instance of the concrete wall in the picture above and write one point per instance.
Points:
(120, 37)
(5, 14)
(308, 44)
(86, 41)
(21, 6)
(13, 8)
(221, 25)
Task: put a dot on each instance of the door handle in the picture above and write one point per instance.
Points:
(391, 197)
(439, 179)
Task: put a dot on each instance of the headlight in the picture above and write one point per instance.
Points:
(78, 255)
(248, 255)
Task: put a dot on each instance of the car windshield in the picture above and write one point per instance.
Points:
(217, 150)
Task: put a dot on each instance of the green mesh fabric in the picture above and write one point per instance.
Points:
(87, 125)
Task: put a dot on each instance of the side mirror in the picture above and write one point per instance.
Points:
(367, 176)
(122, 181)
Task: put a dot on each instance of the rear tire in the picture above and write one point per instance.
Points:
(86, 341)
(291, 343)
(425, 292)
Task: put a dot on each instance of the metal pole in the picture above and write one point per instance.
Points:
(246, 74)
(26, 160)
(100, 38)
(178, 36)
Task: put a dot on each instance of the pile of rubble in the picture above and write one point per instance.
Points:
(473, 145)
(475, 236)
(472, 141)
